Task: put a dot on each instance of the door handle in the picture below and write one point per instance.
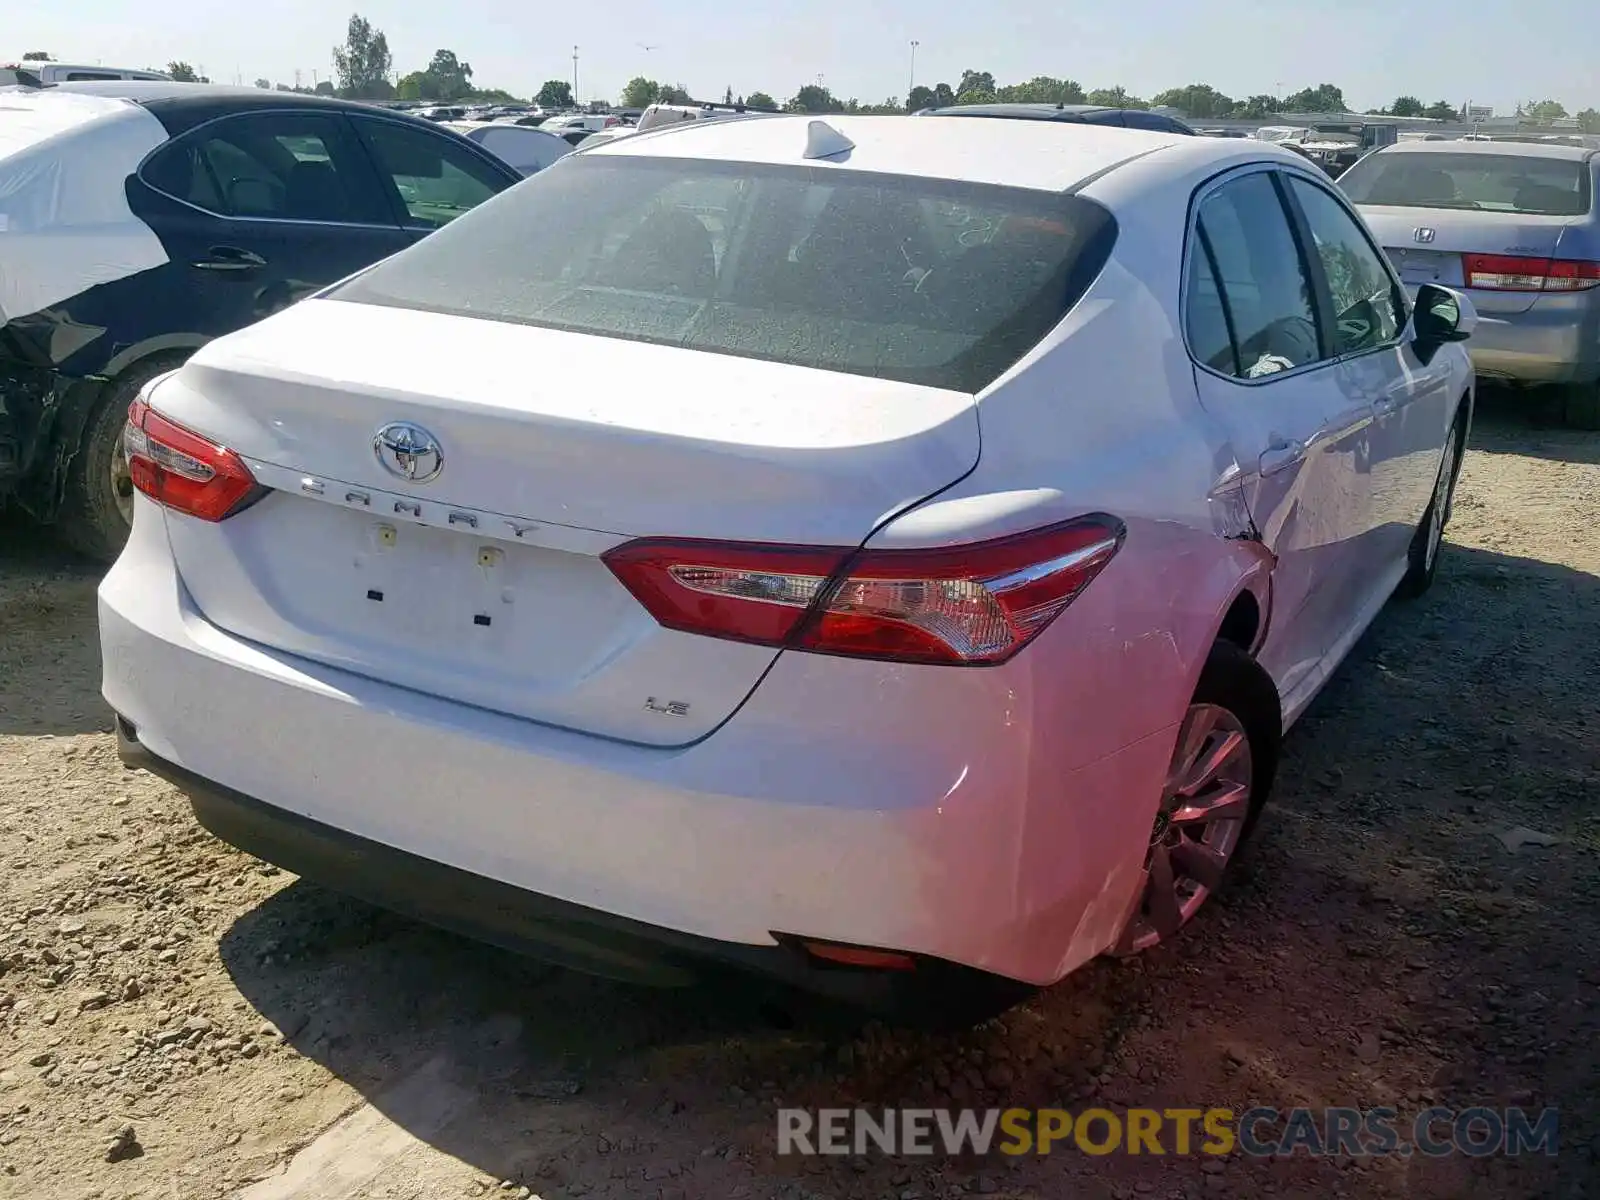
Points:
(230, 258)
(1282, 455)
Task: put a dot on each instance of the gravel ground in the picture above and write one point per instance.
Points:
(178, 1020)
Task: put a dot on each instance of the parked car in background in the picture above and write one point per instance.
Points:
(896, 577)
(1515, 224)
(528, 151)
(1077, 114)
(47, 73)
(140, 220)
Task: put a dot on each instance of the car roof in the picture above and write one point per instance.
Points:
(1520, 149)
(1043, 155)
(1026, 112)
(181, 106)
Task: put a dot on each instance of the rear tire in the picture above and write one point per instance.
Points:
(94, 518)
(1222, 771)
(1423, 557)
(1580, 405)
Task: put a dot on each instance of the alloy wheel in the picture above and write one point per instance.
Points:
(1201, 820)
(121, 482)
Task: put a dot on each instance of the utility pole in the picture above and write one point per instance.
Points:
(297, 79)
(574, 74)
(913, 85)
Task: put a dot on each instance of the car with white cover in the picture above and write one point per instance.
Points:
(1516, 225)
(138, 220)
(897, 576)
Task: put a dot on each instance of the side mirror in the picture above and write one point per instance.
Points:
(1440, 315)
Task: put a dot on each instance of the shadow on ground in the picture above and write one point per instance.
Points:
(1380, 946)
(47, 632)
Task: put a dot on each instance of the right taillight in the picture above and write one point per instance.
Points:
(182, 470)
(970, 605)
(1520, 273)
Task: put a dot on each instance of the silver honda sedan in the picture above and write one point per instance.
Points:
(1515, 225)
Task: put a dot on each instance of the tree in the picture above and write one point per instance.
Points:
(1042, 89)
(1197, 100)
(675, 93)
(1116, 97)
(727, 95)
(760, 100)
(919, 99)
(36, 56)
(363, 62)
(975, 87)
(1406, 106)
(1589, 118)
(814, 98)
(182, 72)
(264, 84)
(325, 88)
(447, 77)
(943, 96)
(556, 93)
(1322, 98)
(412, 87)
(1442, 110)
(1257, 108)
(640, 92)
(1542, 110)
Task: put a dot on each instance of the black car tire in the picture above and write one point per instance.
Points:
(90, 520)
(1580, 405)
(1422, 561)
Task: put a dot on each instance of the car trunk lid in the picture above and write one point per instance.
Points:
(483, 584)
(1427, 245)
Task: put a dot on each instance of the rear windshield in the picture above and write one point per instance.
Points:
(896, 277)
(1514, 183)
(17, 77)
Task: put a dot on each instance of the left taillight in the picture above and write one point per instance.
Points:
(969, 605)
(180, 469)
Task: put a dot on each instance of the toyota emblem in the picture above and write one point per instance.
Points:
(409, 451)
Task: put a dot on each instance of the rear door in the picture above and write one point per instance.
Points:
(258, 210)
(1265, 369)
(1431, 209)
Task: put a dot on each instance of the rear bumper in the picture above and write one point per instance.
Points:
(843, 803)
(1555, 341)
(584, 939)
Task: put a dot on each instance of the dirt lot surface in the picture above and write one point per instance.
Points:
(179, 1021)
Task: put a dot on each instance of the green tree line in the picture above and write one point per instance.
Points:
(364, 69)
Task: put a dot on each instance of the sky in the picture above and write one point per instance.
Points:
(1374, 49)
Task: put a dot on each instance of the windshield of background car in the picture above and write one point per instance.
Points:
(896, 277)
(1513, 183)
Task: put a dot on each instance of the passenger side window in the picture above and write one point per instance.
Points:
(437, 179)
(1261, 278)
(1366, 312)
(283, 166)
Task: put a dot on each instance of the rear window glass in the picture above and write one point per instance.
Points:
(896, 277)
(1515, 183)
(17, 77)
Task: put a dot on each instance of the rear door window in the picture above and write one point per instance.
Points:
(1265, 292)
(904, 278)
(283, 166)
(1515, 183)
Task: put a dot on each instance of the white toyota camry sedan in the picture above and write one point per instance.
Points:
(881, 554)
